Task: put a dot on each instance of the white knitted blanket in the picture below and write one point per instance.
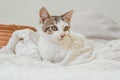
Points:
(103, 63)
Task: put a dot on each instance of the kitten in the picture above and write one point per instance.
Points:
(55, 35)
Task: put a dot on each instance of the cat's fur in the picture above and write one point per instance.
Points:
(55, 35)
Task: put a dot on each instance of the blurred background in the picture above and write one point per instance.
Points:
(26, 12)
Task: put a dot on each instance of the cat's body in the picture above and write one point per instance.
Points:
(54, 51)
(56, 38)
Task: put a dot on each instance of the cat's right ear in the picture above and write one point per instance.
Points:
(44, 15)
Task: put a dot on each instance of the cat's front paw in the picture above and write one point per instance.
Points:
(63, 63)
(22, 33)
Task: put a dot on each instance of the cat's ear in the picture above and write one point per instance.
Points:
(44, 15)
(68, 15)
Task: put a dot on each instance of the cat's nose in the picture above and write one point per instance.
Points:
(62, 35)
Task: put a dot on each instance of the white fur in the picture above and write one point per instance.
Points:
(60, 31)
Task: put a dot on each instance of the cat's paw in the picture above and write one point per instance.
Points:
(62, 63)
(22, 33)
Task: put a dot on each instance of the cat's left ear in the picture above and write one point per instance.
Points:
(44, 15)
(68, 15)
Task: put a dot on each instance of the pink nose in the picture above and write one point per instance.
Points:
(62, 35)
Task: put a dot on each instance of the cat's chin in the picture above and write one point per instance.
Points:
(60, 39)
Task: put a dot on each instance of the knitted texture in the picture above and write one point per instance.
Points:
(21, 61)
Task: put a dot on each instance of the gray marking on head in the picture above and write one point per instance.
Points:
(53, 21)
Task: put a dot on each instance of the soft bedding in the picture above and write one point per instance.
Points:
(27, 65)
(95, 26)
(102, 64)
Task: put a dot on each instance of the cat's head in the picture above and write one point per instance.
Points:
(55, 27)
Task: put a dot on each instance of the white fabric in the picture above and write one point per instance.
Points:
(95, 26)
(102, 64)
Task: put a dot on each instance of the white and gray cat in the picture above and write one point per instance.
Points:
(56, 37)
(57, 42)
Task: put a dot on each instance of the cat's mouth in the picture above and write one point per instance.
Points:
(61, 38)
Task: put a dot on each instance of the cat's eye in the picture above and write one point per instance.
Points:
(54, 28)
(66, 28)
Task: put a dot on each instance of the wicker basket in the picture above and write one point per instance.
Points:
(7, 30)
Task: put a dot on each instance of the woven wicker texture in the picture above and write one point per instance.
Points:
(7, 30)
